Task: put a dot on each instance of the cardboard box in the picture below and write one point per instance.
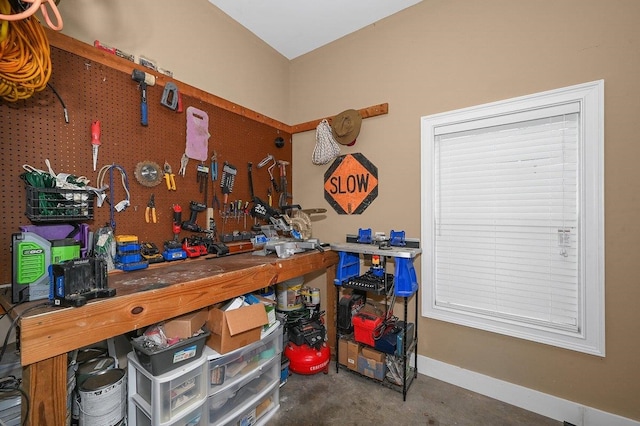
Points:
(353, 350)
(373, 354)
(371, 368)
(235, 328)
(186, 325)
(343, 351)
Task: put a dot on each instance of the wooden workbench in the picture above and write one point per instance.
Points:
(143, 298)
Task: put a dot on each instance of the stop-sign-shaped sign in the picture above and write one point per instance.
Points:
(351, 184)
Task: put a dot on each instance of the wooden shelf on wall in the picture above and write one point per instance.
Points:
(72, 45)
(77, 47)
(372, 111)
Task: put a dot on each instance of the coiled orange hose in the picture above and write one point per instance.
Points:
(25, 60)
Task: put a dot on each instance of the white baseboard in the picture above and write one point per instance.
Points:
(528, 399)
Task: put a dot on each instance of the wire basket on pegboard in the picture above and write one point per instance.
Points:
(59, 205)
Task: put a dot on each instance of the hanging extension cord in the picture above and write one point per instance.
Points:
(27, 12)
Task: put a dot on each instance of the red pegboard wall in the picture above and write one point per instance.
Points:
(34, 130)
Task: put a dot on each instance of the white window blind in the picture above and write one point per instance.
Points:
(506, 219)
(513, 217)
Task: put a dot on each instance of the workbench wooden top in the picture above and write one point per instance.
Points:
(148, 296)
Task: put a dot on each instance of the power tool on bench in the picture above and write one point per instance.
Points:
(212, 246)
(194, 246)
(74, 282)
(173, 248)
(173, 251)
(150, 252)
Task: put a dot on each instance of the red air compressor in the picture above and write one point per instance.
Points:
(304, 359)
(307, 350)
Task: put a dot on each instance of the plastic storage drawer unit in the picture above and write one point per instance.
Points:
(260, 411)
(167, 396)
(195, 417)
(225, 404)
(225, 370)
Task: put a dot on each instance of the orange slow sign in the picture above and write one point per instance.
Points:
(351, 184)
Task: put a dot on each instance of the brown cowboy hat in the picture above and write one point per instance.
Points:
(345, 127)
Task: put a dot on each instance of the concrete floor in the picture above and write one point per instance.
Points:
(345, 398)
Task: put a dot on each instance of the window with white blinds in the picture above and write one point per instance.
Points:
(509, 199)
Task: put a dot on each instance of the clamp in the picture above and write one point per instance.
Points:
(170, 96)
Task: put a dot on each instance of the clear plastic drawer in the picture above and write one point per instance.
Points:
(234, 397)
(226, 370)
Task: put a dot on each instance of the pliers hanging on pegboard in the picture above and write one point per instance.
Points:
(169, 177)
(183, 164)
(150, 212)
(203, 177)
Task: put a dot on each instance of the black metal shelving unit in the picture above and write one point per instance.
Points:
(404, 285)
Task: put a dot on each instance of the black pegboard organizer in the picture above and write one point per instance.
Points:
(46, 205)
(34, 130)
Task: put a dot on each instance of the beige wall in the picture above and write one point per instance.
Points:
(197, 41)
(446, 54)
(436, 56)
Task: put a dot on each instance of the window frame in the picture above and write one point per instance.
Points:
(590, 336)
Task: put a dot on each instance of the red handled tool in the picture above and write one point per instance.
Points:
(95, 141)
(177, 221)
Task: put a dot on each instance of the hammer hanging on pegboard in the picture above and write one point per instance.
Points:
(143, 79)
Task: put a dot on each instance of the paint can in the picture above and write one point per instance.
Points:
(103, 399)
(311, 298)
(268, 293)
(90, 354)
(305, 293)
(93, 368)
(289, 294)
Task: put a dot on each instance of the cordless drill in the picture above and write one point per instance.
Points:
(177, 221)
(191, 225)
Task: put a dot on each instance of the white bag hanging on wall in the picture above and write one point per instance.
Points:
(326, 149)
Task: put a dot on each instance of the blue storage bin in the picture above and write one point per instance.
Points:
(348, 267)
(405, 276)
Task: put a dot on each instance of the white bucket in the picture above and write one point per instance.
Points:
(94, 368)
(289, 294)
(103, 399)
